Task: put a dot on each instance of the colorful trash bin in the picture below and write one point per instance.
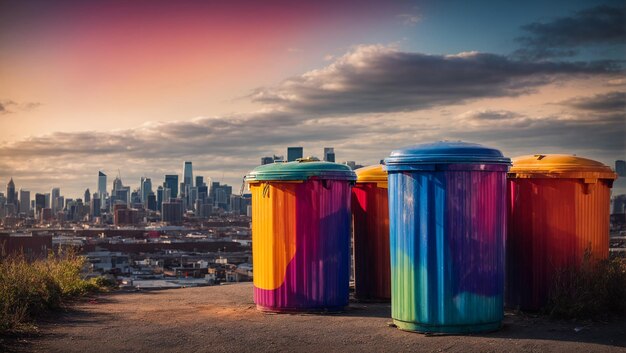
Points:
(370, 210)
(301, 235)
(447, 208)
(558, 208)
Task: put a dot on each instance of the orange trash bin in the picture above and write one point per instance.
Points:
(558, 208)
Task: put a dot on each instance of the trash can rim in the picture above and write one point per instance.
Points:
(371, 174)
(301, 170)
(559, 166)
(445, 152)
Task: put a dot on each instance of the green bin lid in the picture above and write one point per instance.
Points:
(301, 169)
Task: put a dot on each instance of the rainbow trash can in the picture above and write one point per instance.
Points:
(558, 210)
(301, 235)
(370, 211)
(447, 232)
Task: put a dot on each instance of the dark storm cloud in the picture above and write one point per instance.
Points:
(381, 79)
(612, 102)
(600, 25)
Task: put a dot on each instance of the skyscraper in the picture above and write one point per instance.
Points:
(102, 185)
(171, 182)
(267, 160)
(24, 201)
(87, 197)
(199, 181)
(95, 205)
(159, 197)
(11, 199)
(40, 203)
(294, 153)
(146, 189)
(54, 195)
(11, 193)
(188, 174)
(117, 184)
(329, 154)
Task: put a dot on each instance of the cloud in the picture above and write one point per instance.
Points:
(233, 144)
(487, 118)
(365, 104)
(383, 79)
(26, 106)
(596, 136)
(563, 36)
(611, 102)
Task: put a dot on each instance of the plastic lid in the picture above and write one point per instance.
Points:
(302, 169)
(371, 174)
(559, 166)
(444, 152)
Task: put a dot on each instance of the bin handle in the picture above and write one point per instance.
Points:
(266, 190)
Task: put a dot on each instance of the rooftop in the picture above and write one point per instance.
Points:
(224, 319)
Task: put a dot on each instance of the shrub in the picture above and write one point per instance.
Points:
(30, 289)
(593, 290)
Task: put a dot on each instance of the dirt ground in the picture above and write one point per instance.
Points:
(224, 319)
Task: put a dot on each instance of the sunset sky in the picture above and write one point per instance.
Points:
(141, 86)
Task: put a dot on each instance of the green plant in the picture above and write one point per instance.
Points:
(591, 290)
(30, 289)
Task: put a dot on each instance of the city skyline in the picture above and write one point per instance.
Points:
(142, 86)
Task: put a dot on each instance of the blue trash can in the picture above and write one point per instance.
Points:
(447, 208)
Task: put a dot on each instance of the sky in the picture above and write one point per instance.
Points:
(138, 87)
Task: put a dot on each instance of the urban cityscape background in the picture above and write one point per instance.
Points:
(181, 229)
(127, 127)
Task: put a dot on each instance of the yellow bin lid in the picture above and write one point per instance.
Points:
(371, 174)
(560, 166)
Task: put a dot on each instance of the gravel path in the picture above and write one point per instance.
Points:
(224, 319)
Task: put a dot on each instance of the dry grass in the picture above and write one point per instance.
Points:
(31, 289)
(593, 290)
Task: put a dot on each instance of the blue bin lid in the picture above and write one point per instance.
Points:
(444, 152)
(301, 169)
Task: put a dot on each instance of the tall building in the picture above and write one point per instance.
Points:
(95, 205)
(54, 195)
(146, 189)
(117, 184)
(24, 201)
(151, 202)
(171, 183)
(87, 197)
(102, 185)
(159, 197)
(40, 203)
(47, 200)
(60, 202)
(199, 181)
(11, 199)
(294, 153)
(329, 154)
(267, 160)
(172, 211)
(620, 168)
(188, 174)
